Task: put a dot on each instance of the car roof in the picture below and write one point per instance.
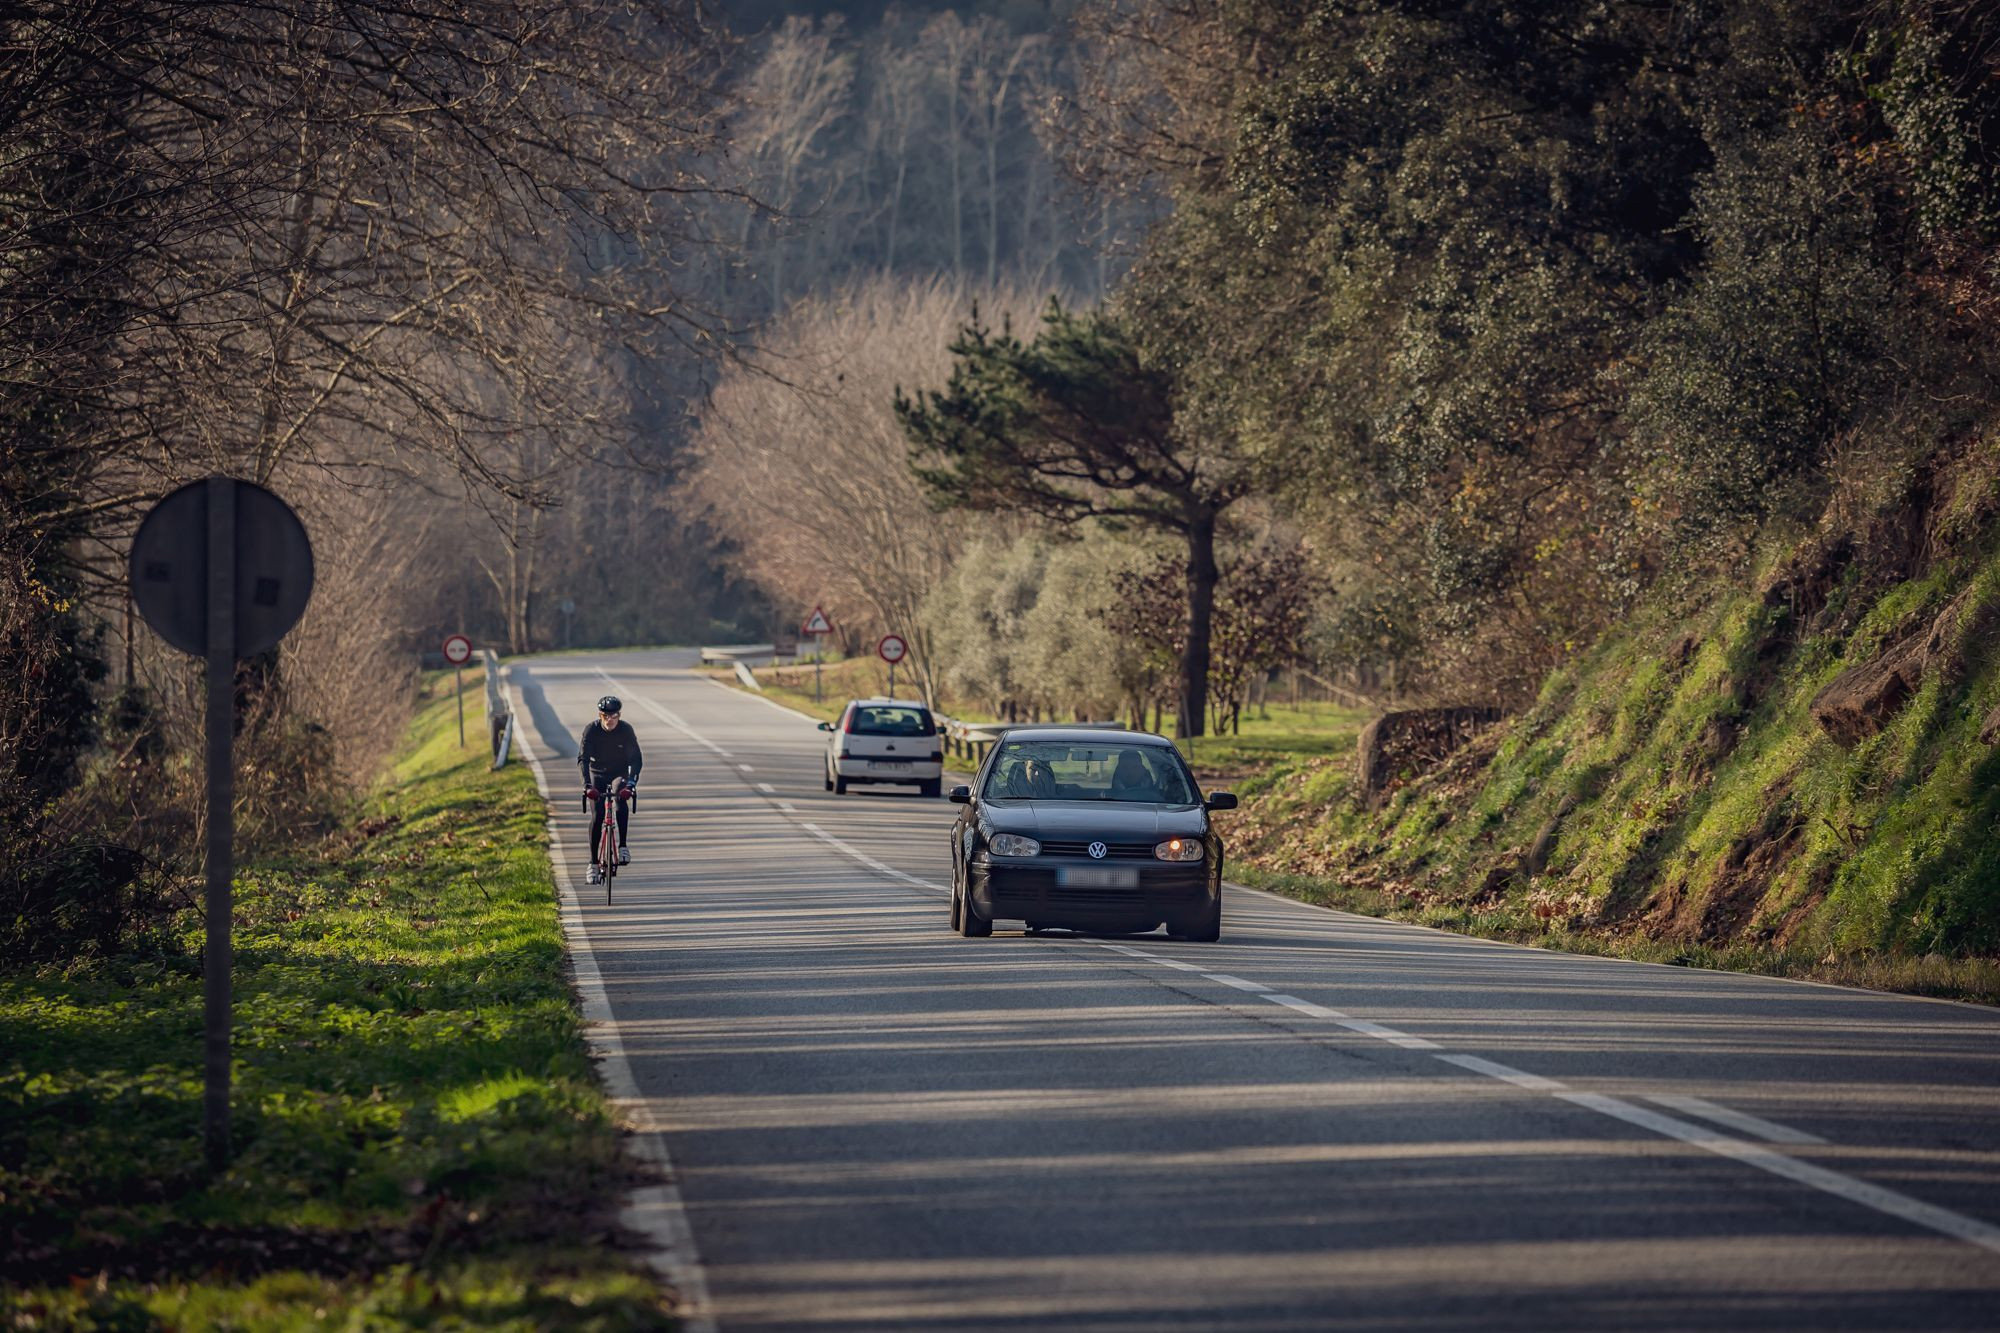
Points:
(880, 702)
(1055, 733)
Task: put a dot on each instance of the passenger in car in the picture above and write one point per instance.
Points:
(1131, 780)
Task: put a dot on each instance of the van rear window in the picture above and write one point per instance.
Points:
(870, 720)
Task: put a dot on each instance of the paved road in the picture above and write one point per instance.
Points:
(1325, 1121)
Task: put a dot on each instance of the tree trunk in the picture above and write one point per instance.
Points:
(1201, 579)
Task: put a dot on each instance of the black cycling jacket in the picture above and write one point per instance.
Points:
(603, 755)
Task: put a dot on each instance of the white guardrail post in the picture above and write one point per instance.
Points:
(499, 718)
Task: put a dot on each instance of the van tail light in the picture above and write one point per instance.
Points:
(845, 755)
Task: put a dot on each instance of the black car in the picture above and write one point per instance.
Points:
(1098, 830)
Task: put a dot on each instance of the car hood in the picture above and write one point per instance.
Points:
(1114, 820)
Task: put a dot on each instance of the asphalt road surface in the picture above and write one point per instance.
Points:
(1324, 1121)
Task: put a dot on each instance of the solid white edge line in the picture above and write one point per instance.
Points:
(656, 1212)
(1742, 1121)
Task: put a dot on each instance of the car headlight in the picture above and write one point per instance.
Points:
(1179, 849)
(1013, 844)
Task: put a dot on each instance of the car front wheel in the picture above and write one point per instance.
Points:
(970, 924)
(1203, 929)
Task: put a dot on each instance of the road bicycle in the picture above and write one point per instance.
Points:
(607, 820)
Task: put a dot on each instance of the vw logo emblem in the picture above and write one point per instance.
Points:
(1097, 850)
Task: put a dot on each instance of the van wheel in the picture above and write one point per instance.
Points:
(826, 776)
(932, 789)
(839, 786)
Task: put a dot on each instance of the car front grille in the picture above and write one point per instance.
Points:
(1114, 851)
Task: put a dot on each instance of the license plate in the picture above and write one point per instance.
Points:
(1090, 877)
(888, 765)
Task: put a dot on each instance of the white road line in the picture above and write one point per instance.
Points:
(1255, 987)
(1505, 1073)
(767, 787)
(656, 1212)
(788, 807)
(666, 715)
(1740, 1121)
(745, 767)
(1968, 1229)
(869, 861)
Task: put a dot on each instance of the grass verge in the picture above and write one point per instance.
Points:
(419, 1139)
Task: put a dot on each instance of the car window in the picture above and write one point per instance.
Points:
(891, 720)
(1089, 771)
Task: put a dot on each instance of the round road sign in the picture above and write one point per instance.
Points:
(458, 650)
(168, 567)
(892, 649)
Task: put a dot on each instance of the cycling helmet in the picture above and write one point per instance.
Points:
(609, 704)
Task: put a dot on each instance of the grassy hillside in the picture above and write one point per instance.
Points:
(1671, 794)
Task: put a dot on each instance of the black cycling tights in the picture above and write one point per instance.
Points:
(597, 823)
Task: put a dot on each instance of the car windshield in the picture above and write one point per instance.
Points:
(890, 720)
(1089, 771)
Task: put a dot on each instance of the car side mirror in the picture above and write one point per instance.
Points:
(1221, 800)
(826, 726)
(960, 795)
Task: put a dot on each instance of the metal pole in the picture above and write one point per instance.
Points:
(221, 813)
(458, 688)
(819, 654)
(892, 680)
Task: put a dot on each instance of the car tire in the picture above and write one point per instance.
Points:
(970, 924)
(932, 789)
(826, 776)
(1204, 929)
(956, 908)
(839, 785)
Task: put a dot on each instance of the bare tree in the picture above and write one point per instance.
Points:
(808, 472)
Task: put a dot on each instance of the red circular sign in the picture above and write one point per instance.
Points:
(892, 649)
(458, 650)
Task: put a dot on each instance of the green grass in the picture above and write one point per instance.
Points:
(418, 1136)
(1276, 736)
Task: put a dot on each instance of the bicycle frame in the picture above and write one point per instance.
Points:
(607, 833)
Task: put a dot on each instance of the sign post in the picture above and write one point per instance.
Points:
(816, 625)
(458, 651)
(892, 650)
(568, 610)
(220, 569)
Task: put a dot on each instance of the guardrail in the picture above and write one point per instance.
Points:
(970, 740)
(732, 653)
(499, 717)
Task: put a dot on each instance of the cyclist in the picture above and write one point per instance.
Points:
(608, 750)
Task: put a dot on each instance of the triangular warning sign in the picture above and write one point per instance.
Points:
(817, 623)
